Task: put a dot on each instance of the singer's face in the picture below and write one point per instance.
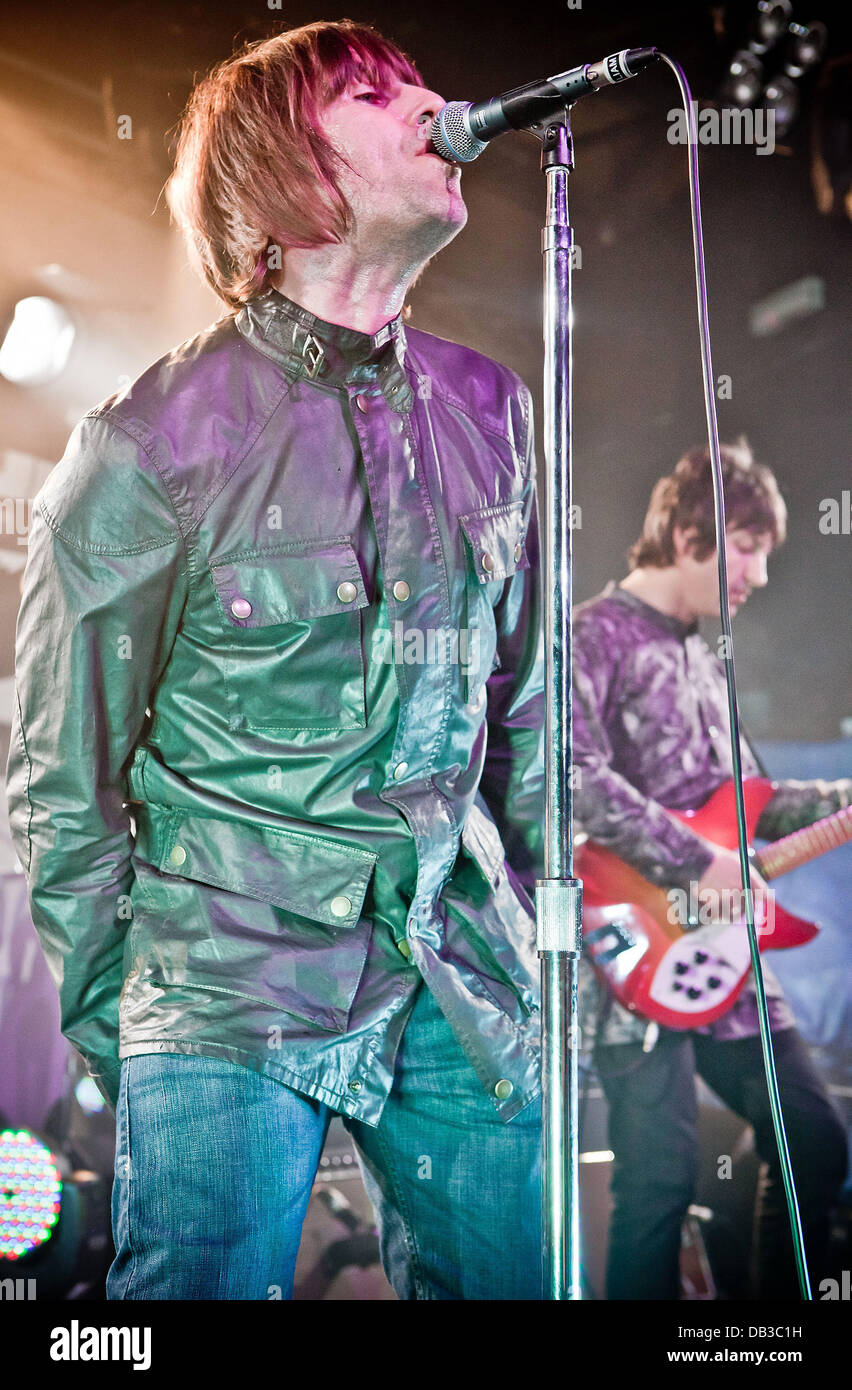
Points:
(398, 191)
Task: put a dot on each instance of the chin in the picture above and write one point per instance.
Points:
(457, 218)
(444, 224)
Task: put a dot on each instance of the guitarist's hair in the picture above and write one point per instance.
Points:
(684, 498)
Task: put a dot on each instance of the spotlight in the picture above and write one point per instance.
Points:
(805, 48)
(769, 24)
(781, 96)
(54, 1231)
(38, 342)
(744, 81)
(748, 81)
(30, 1193)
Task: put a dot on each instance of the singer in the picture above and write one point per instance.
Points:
(266, 846)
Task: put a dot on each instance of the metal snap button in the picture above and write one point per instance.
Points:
(401, 590)
(364, 403)
(404, 949)
(341, 907)
(178, 856)
(355, 1086)
(503, 1090)
(487, 561)
(241, 608)
(400, 771)
(347, 592)
(518, 551)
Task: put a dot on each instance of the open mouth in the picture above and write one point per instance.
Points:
(450, 164)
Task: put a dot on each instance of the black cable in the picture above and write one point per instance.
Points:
(730, 681)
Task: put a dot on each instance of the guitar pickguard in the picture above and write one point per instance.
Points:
(702, 969)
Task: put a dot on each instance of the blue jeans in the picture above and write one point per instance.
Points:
(653, 1131)
(215, 1164)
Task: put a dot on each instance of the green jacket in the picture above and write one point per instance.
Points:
(279, 677)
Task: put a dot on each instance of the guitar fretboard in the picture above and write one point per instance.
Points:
(803, 845)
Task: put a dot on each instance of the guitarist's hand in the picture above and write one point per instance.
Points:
(723, 878)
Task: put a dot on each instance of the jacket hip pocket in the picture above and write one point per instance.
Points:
(237, 908)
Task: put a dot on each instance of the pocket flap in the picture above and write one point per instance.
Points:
(284, 583)
(310, 875)
(496, 539)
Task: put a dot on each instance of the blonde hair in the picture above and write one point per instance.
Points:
(252, 170)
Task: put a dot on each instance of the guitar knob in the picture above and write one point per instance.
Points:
(681, 968)
(714, 982)
(693, 993)
(700, 957)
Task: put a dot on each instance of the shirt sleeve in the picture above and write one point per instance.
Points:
(103, 591)
(608, 807)
(797, 804)
(512, 781)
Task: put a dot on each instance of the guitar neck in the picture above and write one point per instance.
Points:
(803, 845)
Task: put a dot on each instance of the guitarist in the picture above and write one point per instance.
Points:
(651, 730)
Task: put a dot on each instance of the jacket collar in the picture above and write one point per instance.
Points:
(308, 347)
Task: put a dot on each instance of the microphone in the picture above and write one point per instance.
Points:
(462, 129)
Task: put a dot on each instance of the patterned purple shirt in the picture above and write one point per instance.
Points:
(651, 730)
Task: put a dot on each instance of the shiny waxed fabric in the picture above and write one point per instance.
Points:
(237, 783)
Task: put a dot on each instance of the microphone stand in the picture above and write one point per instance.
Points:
(558, 896)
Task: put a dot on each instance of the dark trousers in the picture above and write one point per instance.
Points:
(653, 1133)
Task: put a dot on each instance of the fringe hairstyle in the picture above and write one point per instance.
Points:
(252, 171)
(685, 499)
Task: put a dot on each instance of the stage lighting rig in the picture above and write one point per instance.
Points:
(767, 71)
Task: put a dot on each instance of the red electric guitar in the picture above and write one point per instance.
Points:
(632, 930)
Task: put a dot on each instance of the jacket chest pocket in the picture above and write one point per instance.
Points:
(494, 552)
(294, 655)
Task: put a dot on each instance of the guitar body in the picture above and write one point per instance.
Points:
(633, 935)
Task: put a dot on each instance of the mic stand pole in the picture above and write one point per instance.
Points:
(558, 896)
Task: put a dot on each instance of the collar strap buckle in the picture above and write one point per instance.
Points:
(313, 356)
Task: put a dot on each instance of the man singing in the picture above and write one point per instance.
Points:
(651, 731)
(281, 609)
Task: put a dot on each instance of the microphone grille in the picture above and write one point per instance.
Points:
(451, 137)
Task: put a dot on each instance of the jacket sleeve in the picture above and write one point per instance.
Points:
(608, 807)
(102, 595)
(512, 780)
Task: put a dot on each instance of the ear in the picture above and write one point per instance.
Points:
(684, 541)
